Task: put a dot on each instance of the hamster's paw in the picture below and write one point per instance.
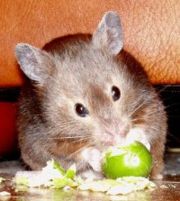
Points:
(137, 134)
(91, 175)
(93, 157)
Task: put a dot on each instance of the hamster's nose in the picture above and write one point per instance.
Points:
(122, 130)
(116, 127)
(111, 138)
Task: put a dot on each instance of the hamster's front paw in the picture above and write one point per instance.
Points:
(137, 134)
(91, 175)
(93, 157)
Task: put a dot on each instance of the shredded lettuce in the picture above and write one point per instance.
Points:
(22, 180)
(57, 166)
(53, 175)
(71, 172)
(122, 185)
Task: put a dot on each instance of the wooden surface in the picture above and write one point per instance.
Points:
(151, 30)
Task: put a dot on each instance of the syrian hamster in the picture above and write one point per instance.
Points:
(82, 95)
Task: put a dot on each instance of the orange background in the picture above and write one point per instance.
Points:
(151, 30)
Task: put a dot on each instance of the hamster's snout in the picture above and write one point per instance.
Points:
(114, 132)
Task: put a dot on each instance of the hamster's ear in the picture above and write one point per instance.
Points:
(35, 63)
(109, 33)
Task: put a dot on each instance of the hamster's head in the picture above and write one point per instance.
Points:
(87, 93)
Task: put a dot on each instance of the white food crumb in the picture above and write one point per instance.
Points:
(40, 178)
(93, 157)
(4, 195)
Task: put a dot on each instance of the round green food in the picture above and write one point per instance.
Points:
(131, 160)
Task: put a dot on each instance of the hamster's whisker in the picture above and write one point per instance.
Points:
(79, 150)
(148, 114)
(79, 138)
(139, 105)
(157, 110)
(137, 119)
(75, 137)
(163, 88)
(171, 105)
(154, 129)
(173, 136)
(136, 109)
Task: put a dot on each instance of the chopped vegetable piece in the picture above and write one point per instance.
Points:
(131, 160)
(22, 180)
(57, 166)
(71, 172)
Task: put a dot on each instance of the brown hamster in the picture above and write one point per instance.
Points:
(81, 96)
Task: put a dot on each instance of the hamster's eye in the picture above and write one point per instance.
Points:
(81, 110)
(115, 93)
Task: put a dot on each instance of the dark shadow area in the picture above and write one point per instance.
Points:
(170, 94)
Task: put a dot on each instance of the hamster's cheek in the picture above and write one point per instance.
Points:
(93, 157)
(137, 134)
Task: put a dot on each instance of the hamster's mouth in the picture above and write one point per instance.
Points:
(112, 140)
(134, 134)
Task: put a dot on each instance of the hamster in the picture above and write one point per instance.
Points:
(81, 96)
